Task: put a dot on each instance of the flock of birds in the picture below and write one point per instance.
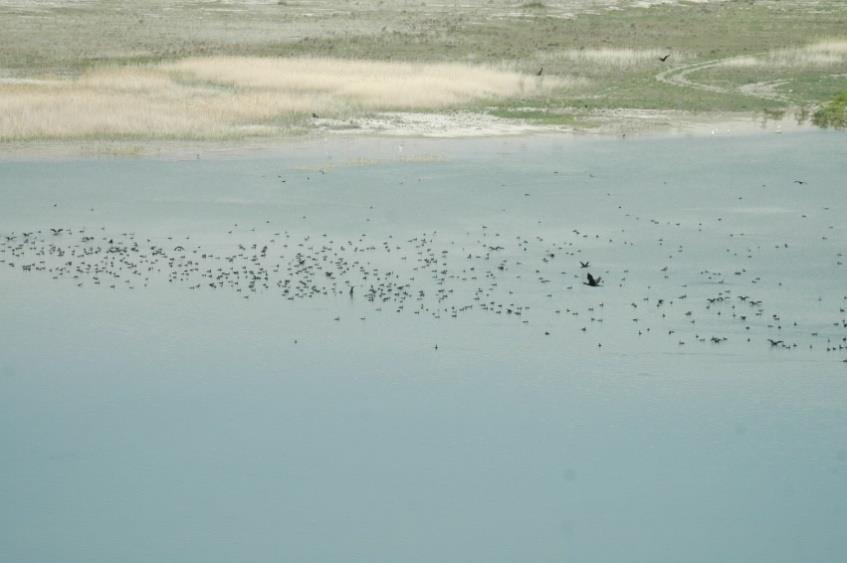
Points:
(545, 284)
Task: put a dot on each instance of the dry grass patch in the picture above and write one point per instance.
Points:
(822, 54)
(615, 58)
(220, 97)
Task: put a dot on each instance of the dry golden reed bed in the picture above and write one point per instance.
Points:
(223, 97)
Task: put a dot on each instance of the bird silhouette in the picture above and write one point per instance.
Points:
(592, 281)
(540, 71)
(584, 264)
(663, 59)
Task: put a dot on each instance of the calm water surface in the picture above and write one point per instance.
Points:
(154, 422)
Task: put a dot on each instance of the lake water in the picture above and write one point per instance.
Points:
(472, 400)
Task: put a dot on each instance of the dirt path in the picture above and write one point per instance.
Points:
(680, 76)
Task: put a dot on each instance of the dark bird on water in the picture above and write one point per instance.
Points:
(774, 342)
(57, 231)
(592, 281)
(663, 59)
(584, 264)
(801, 182)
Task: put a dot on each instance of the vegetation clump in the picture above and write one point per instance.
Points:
(833, 114)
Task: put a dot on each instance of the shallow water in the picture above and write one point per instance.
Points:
(157, 422)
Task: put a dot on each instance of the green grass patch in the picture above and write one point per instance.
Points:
(543, 116)
(833, 114)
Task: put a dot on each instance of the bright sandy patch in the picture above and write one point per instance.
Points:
(443, 125)
(223, 97)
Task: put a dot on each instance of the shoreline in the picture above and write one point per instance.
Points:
(409, 128)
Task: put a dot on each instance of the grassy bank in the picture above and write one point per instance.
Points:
(737, 56)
